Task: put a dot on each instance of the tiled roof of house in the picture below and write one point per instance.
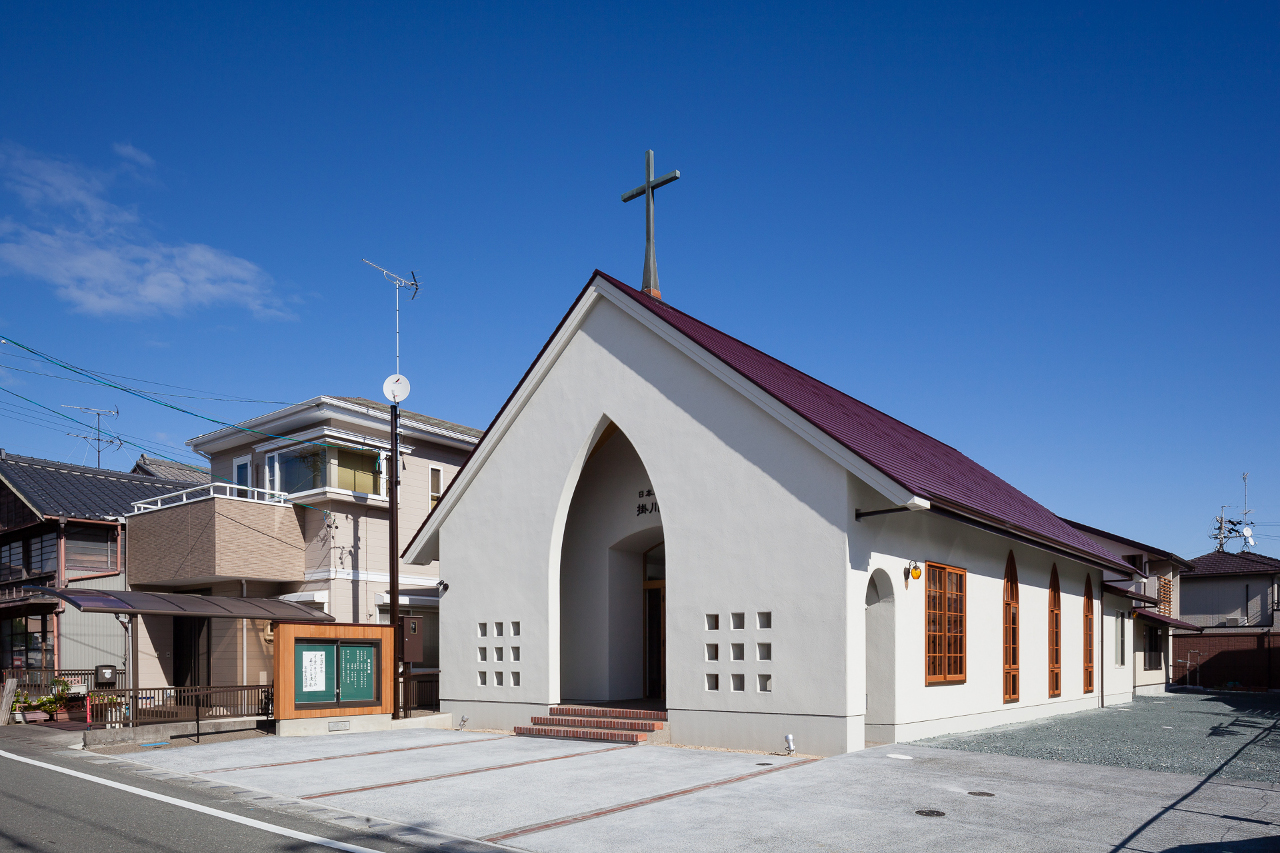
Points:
(918, 462)
(77, 491)
(405, 413)
(1243, 563)
(149, 466)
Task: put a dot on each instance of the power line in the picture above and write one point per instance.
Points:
(158, 393)
(228, 399)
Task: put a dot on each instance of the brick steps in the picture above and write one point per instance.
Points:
(599, 723)
(586, 722)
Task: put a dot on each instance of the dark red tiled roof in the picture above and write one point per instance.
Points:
(1131, 594)
(1243, 563)
(922, 464)
(1165, 620)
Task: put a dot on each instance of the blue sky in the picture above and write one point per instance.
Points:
(1047, 237)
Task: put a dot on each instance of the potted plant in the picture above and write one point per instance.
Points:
(20, 701)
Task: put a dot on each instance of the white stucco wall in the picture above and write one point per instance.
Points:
(755, 519)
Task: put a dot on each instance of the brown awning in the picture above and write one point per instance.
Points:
(180, 604)
(1155, 616)
(1129, 594)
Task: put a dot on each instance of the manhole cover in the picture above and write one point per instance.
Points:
(981, 794)
(764, 764)
(930, 813)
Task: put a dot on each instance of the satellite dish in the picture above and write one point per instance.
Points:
(396, 388)
(1249, 540)
(1248, 531)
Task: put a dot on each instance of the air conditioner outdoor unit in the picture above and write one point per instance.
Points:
(1234, 621)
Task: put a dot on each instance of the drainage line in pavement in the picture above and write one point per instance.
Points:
(348, 755)
(462, 773)
(1174, 805)
(542, 827)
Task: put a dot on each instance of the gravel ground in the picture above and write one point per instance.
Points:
(1236, 734)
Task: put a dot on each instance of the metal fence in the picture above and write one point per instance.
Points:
(41, 680)
(422, 692)
(150, 705)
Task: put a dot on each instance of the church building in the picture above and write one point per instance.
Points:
(662, 516)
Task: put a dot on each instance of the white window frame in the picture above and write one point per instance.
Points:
(432, 498)
(236, 462)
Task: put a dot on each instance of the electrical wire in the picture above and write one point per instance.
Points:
(231, 399)
(23, 413)
(157, 393)
(144, 395)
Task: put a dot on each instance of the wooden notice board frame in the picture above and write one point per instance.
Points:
(288, 634)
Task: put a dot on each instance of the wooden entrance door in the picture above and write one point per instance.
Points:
(655, 623)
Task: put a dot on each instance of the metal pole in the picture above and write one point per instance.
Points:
(393, 487)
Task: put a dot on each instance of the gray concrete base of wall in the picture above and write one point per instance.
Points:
(163, 731)
(1150, 690)
(814, 735)
(359, 723)
(504, 716)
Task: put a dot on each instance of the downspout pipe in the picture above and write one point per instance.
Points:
(1102, 644)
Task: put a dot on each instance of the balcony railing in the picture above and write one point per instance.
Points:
(210, 490)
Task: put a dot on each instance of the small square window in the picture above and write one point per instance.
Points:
(738, 681)
(713, 651)
(484, 629)
(515, 629)
(764, 619)
(765, 683)
(738, 621)
(497, 629)
(484, 678)
(764, 651)
(484, 653)
(515, 653)
(497, 652)
(713, 621)
(737, 651)
(497, 679)
(515, 679)
(713, 681)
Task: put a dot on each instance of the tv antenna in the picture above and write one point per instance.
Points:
(1235, 528)
(98, 441)
(400, 283)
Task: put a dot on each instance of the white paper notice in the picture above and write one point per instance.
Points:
(312, 671)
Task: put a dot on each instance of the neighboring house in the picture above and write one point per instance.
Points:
(1232, 598)
(169, 470)
(663, 515)
(1154, 593)
(60, 526)
(297, 509)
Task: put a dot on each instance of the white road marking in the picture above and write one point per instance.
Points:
(903, 757)
(195, 807)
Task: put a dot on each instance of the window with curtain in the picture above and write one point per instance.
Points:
(358, 471)
(1010, 630)
(944, 624)
(1055, 634)
(437, 486)
(1088, 634)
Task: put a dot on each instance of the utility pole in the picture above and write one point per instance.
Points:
(396, 389)
(97, 442)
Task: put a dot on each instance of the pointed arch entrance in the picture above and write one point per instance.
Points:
(613, 580)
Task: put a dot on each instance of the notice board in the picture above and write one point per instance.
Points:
(330, 669)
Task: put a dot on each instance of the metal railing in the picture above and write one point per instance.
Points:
(422, 691)
(41, 680)
(206, 491)
(151, 705)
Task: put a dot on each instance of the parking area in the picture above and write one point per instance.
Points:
(552, 795)
(1230, 735)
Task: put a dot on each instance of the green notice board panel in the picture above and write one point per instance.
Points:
(359, 678)
(315, 672)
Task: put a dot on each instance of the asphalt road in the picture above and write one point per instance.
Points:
(42, 809)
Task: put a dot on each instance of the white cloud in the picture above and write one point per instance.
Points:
(99, 257)
(128, 152)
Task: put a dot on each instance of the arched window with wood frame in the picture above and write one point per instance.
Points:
(1055, 635)
(1010, 630)
(1088, 634)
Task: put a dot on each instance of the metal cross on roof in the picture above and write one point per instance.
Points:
(650, 285)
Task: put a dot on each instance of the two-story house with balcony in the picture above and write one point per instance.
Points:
(60, 528)
(297, 510)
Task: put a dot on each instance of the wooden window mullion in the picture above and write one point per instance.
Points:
(945, 624)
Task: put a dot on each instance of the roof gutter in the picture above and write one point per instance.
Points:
(1025, 539)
